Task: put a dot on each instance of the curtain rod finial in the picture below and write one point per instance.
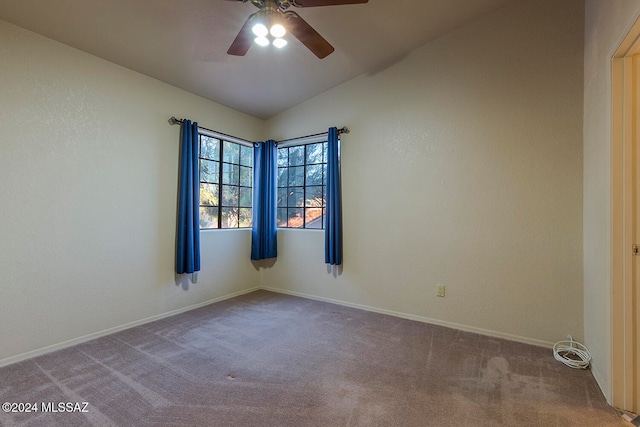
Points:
(173, 120)
(344, 129)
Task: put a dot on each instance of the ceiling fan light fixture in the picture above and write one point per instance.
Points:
(260, 30)
(277, 30)
(279, 42)
(273, 20)
(262, 41)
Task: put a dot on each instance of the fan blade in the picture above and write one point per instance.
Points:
(243, 40)
(307, 35)
(314, 3)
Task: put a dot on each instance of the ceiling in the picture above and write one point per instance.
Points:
(184, 42)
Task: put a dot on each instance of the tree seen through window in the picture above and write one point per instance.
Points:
(302, 171)
(226, 181)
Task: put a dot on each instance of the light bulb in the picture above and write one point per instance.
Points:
(277, 30)
(262, 41)
(279, 42)
(260, 30)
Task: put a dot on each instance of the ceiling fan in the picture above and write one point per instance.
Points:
(273, 20)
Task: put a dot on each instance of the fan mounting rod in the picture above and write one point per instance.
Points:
(273, 5)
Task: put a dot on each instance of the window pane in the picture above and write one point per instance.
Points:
(209, 194)
(245, 197)
(245, 217)
(314, 153)
(246, 176)
(209, 171)
(313, 217)
(282, 217)
(296, 176)
(231, 152)
(220, 183)
(208, 217)
(314, 175)
(246, 156)
(294, 218)
(314, 197)
(209, 147)
(229, 195)
(296, 155)
(283, 177)
(229, 217)
(282, 197)
(283, 157)
(302, 186)
(295, 197)
(230, 174)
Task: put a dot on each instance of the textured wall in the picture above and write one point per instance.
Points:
(463, 167)
(88, 184)
(606, 24)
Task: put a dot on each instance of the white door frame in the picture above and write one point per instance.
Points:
(625, 342)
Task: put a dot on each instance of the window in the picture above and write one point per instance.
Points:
(226, 181)
(302, 171)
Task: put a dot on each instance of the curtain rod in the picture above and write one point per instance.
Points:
(343, 129)
(173, 121)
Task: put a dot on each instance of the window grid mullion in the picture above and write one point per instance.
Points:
(304, 188)
(220, 167)
(291, 189)
(237, 205)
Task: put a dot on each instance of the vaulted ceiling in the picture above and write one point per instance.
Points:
(184, 42)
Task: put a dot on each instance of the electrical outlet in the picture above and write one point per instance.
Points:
(440, 290)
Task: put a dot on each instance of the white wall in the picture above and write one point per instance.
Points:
(606, 24)
(88, 188)
(463, 167)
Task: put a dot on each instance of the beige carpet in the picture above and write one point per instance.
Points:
(265, 359)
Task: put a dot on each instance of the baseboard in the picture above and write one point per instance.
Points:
(466, 328)
(79, 340)
(597, 375)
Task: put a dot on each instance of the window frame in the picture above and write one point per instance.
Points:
(305, 141)
(222, 138)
